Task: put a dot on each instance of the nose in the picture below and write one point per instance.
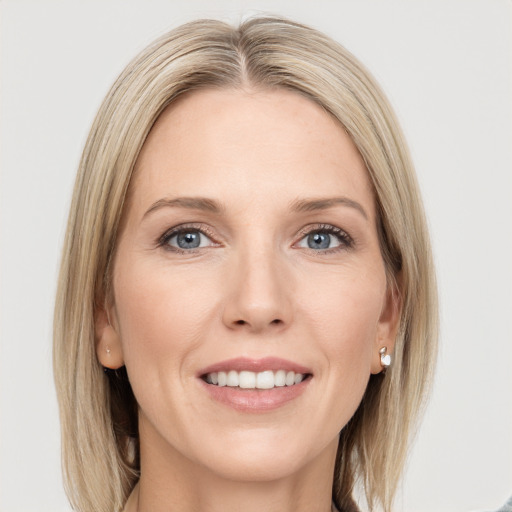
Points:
(259, 292)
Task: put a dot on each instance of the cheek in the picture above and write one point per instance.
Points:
(346, 306)
(163, 315)
(344, 318)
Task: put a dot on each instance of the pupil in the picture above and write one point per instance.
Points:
(188, 240)
(319, 241)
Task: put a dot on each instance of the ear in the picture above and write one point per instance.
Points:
(387, 326)
(108, 343)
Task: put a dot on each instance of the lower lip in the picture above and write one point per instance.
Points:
(255, 400)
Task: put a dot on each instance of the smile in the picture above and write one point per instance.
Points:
(255, 385)
(267, 379)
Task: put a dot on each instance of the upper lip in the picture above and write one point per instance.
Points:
(239, 364)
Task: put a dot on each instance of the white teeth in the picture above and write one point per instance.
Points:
(251, 380)
(221, 380)
(280, 378)
(265, 380)
(247, 380)
(232, 379)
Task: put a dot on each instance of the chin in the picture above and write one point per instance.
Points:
(258, 468)
(266, 460)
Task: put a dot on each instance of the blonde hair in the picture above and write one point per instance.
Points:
(98, 411)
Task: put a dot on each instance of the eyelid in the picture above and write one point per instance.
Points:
(346, 241)
(204, 229)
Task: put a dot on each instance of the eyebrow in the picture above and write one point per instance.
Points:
(311, 205)
(300, 205)
(192, 203)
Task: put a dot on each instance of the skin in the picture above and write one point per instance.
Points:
(254, 288)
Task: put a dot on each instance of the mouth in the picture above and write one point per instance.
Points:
(255, 385)
(245, 379)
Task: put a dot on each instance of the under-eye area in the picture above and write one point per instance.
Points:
(267, 379)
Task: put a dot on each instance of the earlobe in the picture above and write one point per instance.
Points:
(386, 331)
(381, 359)
(108, 343)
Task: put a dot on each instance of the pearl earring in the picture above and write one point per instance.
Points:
(385, 359)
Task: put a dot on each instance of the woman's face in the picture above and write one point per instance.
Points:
(248, 251)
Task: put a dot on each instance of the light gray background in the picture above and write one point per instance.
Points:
(446, 66)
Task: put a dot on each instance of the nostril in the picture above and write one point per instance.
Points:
(276, 321)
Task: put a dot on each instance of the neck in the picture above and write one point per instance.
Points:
(171, 482)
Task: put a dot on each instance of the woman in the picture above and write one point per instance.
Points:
(246, 314)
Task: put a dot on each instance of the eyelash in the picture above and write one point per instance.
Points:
(163, 241)
(346, 241)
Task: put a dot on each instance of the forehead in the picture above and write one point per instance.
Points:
(269, 142)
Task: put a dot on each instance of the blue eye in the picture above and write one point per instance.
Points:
(321, 241)
(186, 239)
(325, 238)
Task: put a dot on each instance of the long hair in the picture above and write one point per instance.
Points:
(98, 410)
